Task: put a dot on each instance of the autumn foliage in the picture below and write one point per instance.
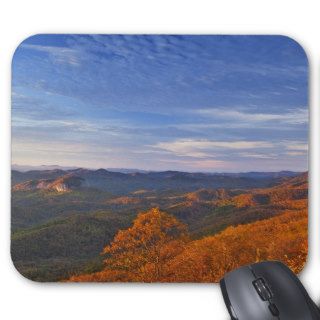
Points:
(281, 238)
(157, 249)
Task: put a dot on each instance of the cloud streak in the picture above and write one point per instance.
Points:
(293, 117)
(205, 148)
(161, 102)
(59, 55)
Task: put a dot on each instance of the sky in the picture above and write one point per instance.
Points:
(161, 102)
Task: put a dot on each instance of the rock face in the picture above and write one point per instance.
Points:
(65, 183)
(27, 186)
(62, 184)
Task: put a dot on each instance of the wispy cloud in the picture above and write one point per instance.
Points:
(205, 148)
(296, 146)
(258, 155)
(59, 55)
(295, 153)
(292, 117)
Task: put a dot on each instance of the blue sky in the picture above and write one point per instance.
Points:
(191, 103)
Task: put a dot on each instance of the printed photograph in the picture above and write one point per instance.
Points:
(157, 158)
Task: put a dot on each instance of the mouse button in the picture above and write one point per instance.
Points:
(262, 289)
(243, 297)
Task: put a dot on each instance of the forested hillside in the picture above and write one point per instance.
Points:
(171, 258)
(65, 224)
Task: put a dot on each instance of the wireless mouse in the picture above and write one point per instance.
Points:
(267, 291)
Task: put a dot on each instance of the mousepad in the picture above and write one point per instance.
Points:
(157, 158)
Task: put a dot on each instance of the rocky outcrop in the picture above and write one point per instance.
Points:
(63, 184)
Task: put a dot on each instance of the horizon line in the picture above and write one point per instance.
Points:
(73, 168)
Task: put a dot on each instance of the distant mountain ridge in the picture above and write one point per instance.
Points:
(25, 168)
(262, 174)
(120, 182)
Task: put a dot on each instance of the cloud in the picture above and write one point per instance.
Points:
(296, 146)
(162, 71)
(205, 148)
(258, 155)
(63, 55)
(295, 153)
(291, 117)
(211, 164)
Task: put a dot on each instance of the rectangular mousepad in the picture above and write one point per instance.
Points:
(157, 158)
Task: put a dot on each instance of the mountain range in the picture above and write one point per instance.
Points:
(120, 182)
(62, 219)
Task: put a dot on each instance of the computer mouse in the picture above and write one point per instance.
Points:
(267, 291)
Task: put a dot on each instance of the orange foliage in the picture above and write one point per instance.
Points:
(123, 200)
(157, 249)
(141, 252)
(281, 238)
(244, 200)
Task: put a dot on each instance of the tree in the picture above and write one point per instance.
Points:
(143, 250)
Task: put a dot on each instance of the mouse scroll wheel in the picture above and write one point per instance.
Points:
(262, 289)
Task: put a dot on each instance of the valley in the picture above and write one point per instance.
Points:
(62, 219)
